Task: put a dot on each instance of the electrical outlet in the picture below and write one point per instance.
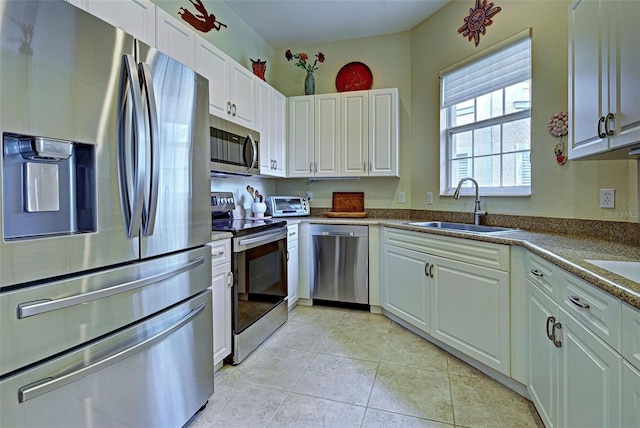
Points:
(309, 196)
(429, 198)
(607, 198)
(401, 198)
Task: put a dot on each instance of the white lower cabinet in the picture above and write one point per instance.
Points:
(630, 395)
(221, 288)
(470, 310)
(575, 376)
(405, 290)
(589, 378)
(445, 287)
(292, 264)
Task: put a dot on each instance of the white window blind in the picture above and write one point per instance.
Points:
(493, 71)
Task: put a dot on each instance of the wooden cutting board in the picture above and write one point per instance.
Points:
(347, 202)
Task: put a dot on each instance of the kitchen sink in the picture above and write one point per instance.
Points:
(461, 227)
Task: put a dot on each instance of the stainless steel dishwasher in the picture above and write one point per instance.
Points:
(340, 265)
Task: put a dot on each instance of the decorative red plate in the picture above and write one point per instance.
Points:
(354, 76)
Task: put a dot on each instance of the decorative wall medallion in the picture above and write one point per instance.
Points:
(204, 21)
(478, 20)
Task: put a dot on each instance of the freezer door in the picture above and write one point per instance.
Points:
(177, 211)
(60, 68)
(40, 321)
(156, 373)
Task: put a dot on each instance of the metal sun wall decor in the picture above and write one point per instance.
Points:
(478, 20)
(204, 21)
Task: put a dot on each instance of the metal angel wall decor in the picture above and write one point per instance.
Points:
(204, 21)
(478, 20)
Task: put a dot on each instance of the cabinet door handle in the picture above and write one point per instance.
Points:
(218, 254)
(364, 166)
(576, 301)
(228, 107)
(599, 131)
(431, 271)
(233, 109)
(550, 320)
(536, 272)
(556, 342)
(608, 131)
(370, 165)
(310, 166)
(426, 269)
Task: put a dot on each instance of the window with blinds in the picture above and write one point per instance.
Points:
(486, 120)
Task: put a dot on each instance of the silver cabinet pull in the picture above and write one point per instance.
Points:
(39, 307)
(431, 271)
(229, 279)
(536, 272)
(426, 269)
(609, 117)
(48, 384)
(233, 109)
(310, 166)
(576, 301)
(228, 107)
(550, 320)
(556, 342)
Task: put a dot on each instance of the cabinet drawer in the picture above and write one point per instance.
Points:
(596, 309)
(631, 335)
(487, 254)
(543, 274)
(292, 232)
(220, 252)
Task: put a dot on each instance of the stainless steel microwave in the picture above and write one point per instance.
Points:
(288, 206)
(234, 148)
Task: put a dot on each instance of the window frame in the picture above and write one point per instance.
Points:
(446, 130)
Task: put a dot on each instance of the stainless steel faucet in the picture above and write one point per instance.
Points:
(477, 212)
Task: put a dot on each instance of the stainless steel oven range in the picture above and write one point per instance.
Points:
(259, 267)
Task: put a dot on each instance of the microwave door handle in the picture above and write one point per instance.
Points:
(149, 214)
(251, 162)
(128, 140)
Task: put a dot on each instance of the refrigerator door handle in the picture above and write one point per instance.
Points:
(150, 209)
(131, 135)
(48, 384)
(29, 309)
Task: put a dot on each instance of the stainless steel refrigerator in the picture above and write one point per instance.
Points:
(105, 316)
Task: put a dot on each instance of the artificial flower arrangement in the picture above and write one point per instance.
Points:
(558, 126)
(303, 58)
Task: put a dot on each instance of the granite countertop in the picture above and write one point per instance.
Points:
(569, 252)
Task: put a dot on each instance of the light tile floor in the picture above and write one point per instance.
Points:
(337, 368)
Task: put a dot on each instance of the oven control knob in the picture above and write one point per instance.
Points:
(222, 201)
(230, 201)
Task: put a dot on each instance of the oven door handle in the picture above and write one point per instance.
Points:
(272, 237)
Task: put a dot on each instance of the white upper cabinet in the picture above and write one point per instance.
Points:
(301, 136)
(270, 122)
(213, 64)
(348, 134)
(231, 86)
(136, 17)
(327, 136)
(604, 59)
(174, 38)
(355, 133)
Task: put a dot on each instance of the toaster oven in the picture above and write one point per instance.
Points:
(288, 206)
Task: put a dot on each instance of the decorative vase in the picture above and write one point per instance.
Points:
(309, 84)
(258, 209)
(259, 68)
